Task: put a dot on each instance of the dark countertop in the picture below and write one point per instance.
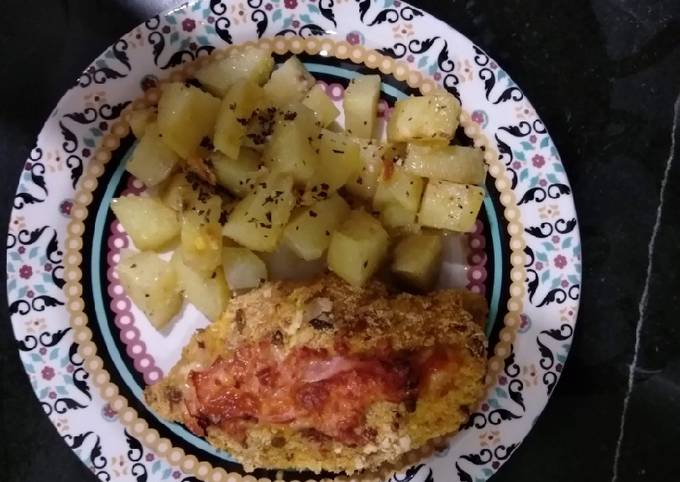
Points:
(604, 75)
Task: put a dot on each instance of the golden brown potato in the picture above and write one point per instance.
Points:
(209, 292)
(460, 164)
(290, 150)
(152, 161)
(309, 233)
(417, 259)
(186, 116)
(176, 191)
(235, 111)
(364, 184)
(289, 83)
(149, 223)
(201, 232)
(243, 269)
(357, 248)
(397, 219)
(258, 219)
(339, 161)
(323, 107)
(427, 118)
(396, 186)
(239, 176)
(361, 105)
(447, 205)
(152, 285)
(253, 64)
(140, 119)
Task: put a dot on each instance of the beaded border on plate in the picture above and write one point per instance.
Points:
(120, 129)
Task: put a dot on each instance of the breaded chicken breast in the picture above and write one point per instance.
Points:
(323, 376)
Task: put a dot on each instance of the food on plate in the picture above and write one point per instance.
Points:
(237, 175)
(460, 164)
(398, 220)
(293, 232)
(208, 292)
(201, 237)
(149, 223)
(247, 164)
(427, 118)
(363, 185)
(323, 107)
(396, 186)
(361, 105)
(140, 119)
(289, 149)
(258, 219)
(243, 268)
(152, 160)
(186, 116)
(308, 234)
(358, 248)
(289, 83)
(448, 205)
(341, 159)
(417, 258)
(152, 284)
(322, 376)
(253, 65)
(236, 109)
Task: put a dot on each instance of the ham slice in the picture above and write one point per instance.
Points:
(308, 389)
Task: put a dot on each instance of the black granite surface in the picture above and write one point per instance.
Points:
(604, 76)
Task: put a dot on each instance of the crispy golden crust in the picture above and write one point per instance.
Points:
(315, 315)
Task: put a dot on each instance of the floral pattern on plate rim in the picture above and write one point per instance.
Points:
(44, 196)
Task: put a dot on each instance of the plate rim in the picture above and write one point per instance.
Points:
(120, 129)
(570, 201)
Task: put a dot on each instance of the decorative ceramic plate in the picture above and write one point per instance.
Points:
(89, 352)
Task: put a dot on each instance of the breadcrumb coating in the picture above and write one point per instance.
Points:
(328, 314)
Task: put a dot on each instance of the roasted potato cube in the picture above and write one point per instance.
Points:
(258, 219)
(361, 105)
(357, 248)
(239, 175)
(176, 191)
(460, 164)
(186, 116)
(201, 232)
(141, 118)
(289, 83)
(243, 269)
(252, 64)
(447, 205)
(236, 109)
(151, 283)
(290, 151)
(323, 107)
(149, 223)
(282, 263)
(209, 293)
(396, 186)
(309, 232)
(428, 118)
(152, 161)
(396, 218)
(339, 161)
(417, 259)
(363, 185)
